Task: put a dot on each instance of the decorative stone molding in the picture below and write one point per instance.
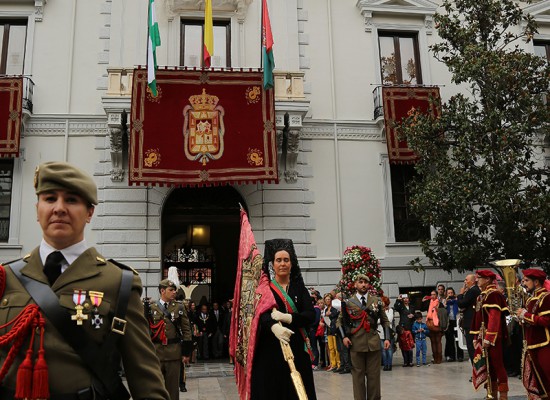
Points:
(48, 126)
(280, 128)
(115, 124)
(39, 9)
(177, 7)
(369, 9)
(363, 131)
(292, 149)
(428, 24)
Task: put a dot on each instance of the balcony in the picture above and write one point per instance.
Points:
(379, 101)
(28, 90)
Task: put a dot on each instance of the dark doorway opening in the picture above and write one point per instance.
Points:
(200, 236)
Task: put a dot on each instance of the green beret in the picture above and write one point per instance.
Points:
(57, 175)
(167, 283)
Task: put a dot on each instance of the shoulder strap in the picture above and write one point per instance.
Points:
(93, 355)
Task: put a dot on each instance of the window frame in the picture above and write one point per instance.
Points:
(545, 44)
(396, 35)
(7, 23)
(200, 22)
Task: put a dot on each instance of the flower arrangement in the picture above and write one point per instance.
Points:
(359, 260)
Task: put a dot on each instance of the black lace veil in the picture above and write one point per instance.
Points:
(271, 248)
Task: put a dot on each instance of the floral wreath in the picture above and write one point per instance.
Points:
(359, 260)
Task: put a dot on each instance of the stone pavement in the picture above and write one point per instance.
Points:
(447, 381)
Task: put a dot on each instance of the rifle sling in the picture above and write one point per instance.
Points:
(95, 357)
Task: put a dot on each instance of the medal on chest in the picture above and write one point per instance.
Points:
(96, 298)
(78, 297)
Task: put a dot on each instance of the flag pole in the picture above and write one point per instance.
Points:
(262, 35)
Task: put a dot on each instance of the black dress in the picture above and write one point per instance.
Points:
(270, 372)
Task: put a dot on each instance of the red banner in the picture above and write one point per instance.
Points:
(398, 102)
(203, 128)
(11, 101)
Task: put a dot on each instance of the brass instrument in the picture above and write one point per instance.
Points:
(485, 353)
(514, 291)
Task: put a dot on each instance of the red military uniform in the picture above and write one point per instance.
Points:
(491, 308)
(536, 322)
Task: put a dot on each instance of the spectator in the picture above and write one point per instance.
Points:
(387, 354)
(217, 338)
(330, 315)
(320, 338)
(206, 327)
(420, 331)
(467, 302)
(452, 349)
(406, 344)
(312, 332)
(441, 292)
(227, 327)
(436, 320)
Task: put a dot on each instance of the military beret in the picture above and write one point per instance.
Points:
(57, 175)
(167, 283)
(485, 273)
(533, 273)
(362, 276)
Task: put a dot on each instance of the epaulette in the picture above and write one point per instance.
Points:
(123, 266)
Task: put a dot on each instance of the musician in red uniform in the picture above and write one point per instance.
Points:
(536, 322)
(491, 309)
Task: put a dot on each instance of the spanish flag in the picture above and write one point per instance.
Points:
(267, 47)
(208, 34)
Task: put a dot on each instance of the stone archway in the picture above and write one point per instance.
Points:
(200, 230)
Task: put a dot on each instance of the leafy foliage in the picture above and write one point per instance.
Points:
(484, 184)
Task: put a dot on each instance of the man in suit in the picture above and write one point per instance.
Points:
(217, 315)
(206, 328)
(93, 314)
(467, 304)
(360, 317)
(171, 334)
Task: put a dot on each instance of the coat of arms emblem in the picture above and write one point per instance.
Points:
(203, 128)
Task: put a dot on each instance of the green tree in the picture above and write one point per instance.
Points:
(483, 184)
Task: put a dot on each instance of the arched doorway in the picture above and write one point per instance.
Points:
(200, 236)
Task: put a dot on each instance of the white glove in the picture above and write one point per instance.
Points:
(283, 317)
(281, 332)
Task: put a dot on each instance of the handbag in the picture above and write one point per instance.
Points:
(320, 332)
(432, 327)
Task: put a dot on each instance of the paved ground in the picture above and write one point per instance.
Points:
(214, 381)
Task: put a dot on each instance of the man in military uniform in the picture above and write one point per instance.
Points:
(491, 310)
(90, 312)
(171, 334)
(360, 315)
(536, 322)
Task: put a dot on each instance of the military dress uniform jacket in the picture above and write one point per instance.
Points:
(67, 372)
(537, 320)
(360, 323)
(177, 329)
(491, 308)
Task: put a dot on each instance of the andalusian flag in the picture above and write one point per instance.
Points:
(208, 34)
(154, 42)
(267, 47)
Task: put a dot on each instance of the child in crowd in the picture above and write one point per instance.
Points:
(420, 331)
(406, 344)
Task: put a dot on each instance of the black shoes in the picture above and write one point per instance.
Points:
(183, 388)
(345, 371)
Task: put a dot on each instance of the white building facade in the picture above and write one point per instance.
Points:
(336, 186)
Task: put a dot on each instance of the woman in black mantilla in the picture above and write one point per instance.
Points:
(271, 374)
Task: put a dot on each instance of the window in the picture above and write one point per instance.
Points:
(399, 59)
(192, 43)
(6, 180)
(13, 35)
(407, 227)
(542, 49)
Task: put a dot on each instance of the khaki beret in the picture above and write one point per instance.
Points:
(167, 283)
(57, 175)
(362, 276)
